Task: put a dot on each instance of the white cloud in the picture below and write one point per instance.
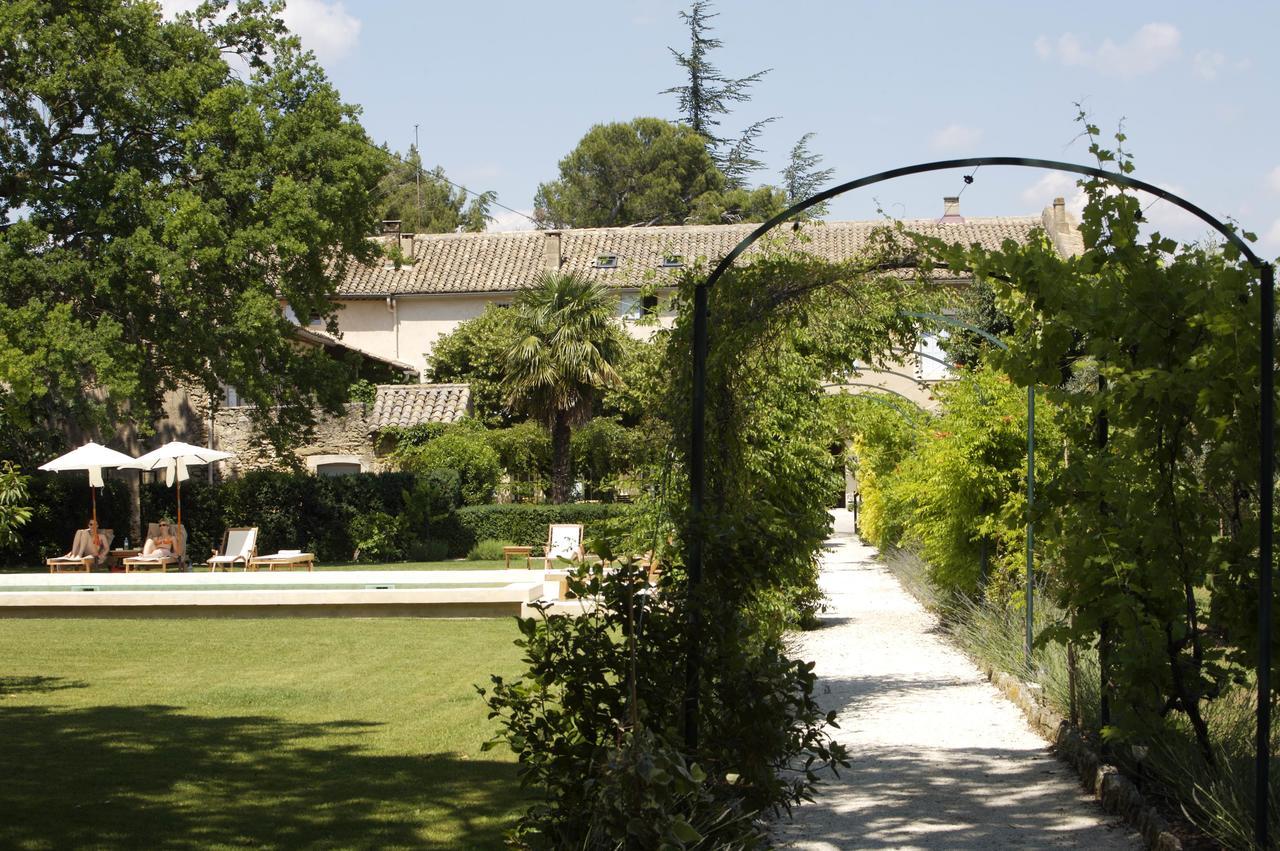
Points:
(1055, 184)
(1150, 47)
(1273, 179)
(505, 220)
(172, 8)
(956, 137)
(324, 27)
(1271, 239)
(1207, 63)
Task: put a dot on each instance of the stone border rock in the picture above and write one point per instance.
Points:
(1117, 793)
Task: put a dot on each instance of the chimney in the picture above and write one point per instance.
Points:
(406, 245)
(551, 257)
(1060, 214)
(951, 210)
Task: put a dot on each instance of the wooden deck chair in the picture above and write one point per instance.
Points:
(148, 560)
(83, 555)
(238, 545)
(564, 541)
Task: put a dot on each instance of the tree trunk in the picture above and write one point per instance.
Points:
(561, 474)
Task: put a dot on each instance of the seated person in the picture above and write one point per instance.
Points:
(88, 543)
(95, 544)
(164, 544)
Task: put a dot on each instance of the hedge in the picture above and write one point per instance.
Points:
(523, 523)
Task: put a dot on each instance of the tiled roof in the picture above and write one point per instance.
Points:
(503, 262)
(415, 404)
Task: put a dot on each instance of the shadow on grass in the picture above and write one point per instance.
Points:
(154, 776)
(37, 685)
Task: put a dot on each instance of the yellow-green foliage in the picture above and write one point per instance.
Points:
(949, 483)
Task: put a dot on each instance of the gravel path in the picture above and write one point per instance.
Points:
(940, 759)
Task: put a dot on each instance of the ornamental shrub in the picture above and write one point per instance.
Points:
(597, 732)
(377, 536)
(461, 448)
(488, 549)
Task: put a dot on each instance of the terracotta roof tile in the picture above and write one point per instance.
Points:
(414, 404)
(503, 262)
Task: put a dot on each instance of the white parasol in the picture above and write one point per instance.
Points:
(174, 458)
(92, 457)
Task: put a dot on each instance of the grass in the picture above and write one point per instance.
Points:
(1217, 798)
(327, 733)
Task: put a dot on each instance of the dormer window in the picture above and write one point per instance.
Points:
(671, 261)
(606, 261)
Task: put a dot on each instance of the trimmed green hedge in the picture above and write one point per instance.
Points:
(523, 523)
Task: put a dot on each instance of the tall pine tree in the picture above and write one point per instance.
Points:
(709, 94)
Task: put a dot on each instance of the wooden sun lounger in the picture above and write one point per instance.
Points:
(271, 562)
(74, 561)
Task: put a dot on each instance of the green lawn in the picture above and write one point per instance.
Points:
(334, 733)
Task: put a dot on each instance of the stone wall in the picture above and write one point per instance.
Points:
(341, 439)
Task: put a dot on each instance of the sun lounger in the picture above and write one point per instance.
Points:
(564, 541)
(150, 559)
(284, 558)
(238, 545)
(83, 555)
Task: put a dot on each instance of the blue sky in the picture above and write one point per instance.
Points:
(502, 90)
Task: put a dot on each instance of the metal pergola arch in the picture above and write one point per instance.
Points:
(1266, 461)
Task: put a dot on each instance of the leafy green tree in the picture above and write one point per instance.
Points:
(475, 353)
(14, 510)
(563, 358)
(645, 171)
(708, 94)
(802, 177)
(162, 209)
(738, 205)
(425, 202)
(462, 447)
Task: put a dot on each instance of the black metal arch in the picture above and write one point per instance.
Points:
(1266, 463)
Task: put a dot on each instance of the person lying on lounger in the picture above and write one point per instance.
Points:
(163, 545)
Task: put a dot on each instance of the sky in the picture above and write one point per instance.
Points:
(501, 91)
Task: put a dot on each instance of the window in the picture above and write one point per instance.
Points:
(637, 306)
(230, 398)
(338, 468)
(335, 465)
(672, 261)
(606, 261)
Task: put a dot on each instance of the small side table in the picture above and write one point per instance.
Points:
(115, 558)
(516, 552)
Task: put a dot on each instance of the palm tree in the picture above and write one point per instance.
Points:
(564, 355)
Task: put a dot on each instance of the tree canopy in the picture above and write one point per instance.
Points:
(424, 201)
(162, 207)
(708, 94)
(475, 353)
(645, 171)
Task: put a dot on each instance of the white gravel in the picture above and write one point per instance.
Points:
(940, 758)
